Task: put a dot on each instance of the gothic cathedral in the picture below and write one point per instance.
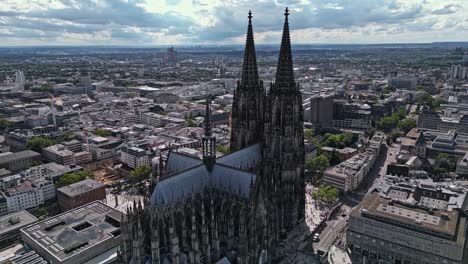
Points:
(237, 206)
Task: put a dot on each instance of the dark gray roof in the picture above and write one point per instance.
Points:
(189, 175)
(180, 186)
(6, 158)
(15, 220)
(244, 158)
(80, 187)
(177, 162)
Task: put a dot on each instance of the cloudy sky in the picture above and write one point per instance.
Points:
(168, 22)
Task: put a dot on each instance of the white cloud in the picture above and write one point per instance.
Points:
(218, 22)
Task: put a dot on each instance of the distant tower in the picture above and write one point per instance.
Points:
(249, 98)
(208, 141)
(283, 151)
(171, 55)
(20, 80)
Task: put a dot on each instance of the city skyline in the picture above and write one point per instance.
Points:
(185, 22)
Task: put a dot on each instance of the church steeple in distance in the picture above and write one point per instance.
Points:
(285, 72)
(249, 78)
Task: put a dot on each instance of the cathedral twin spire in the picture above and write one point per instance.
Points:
(249, 76)
(284, 73)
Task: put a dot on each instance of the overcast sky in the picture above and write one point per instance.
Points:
(170, 22)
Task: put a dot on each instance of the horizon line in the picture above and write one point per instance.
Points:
(233, 44)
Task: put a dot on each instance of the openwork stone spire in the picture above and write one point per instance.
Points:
(249, 77)
(284, 72)
(207, 118)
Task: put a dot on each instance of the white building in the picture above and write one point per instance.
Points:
(24, 195)
(134, 157)
(151, 119)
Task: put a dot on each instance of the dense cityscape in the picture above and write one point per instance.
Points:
(287, 153)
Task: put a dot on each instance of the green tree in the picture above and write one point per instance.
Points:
(38, 143)
(70, 178)
(318, 164)
(190, 122)
(5, 123)
(41, 212)
(326, 194)
(309, 134)
(102, 132)
(223, 149)
(406, 125)
(443, 163)
(43, 88)
(335, 158)
(140, 173)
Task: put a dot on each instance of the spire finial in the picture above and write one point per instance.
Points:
(286, 12)
(250, 17)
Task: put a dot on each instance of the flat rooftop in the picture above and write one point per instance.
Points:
(80, 187)
(74, 232)
(15, 220)
(437, 222)
(8, 156)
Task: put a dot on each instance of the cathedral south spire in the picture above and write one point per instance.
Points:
(284, 72)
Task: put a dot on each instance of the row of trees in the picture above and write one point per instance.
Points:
(38, 143)
(431, 102)
(340, 140)
(102, 132)
(70, 178)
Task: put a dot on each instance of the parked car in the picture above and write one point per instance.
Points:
(316, 237)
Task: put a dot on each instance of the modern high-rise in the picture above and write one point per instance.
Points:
(20, 80)
(320, 109)
(171, 55)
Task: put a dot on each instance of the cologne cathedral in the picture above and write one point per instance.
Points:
(240, 206)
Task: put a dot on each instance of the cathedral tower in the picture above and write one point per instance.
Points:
(283, 152)
(249, 98)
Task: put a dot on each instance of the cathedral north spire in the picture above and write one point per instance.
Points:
(284, 72)
(249, 78)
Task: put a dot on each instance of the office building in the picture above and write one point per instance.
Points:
(403, 83)
(18, 161)
(406, 224)
(134, 157)
(104, 147)
(347, 175)
(80, 193)
(88, 234)
(354, 116)
(10, 226)
(320, 110)
(51, 171)
(62, 154)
